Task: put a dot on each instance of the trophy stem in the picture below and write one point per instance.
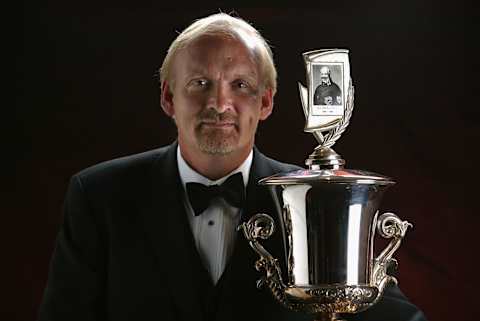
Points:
(327, 316)
(324, 158)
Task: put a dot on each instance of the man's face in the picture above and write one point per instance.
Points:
(216, 96)
(325, 76)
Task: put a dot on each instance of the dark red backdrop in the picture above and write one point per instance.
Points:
(85, 93)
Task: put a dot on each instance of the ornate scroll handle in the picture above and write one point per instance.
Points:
(262, 226)
(389, 226)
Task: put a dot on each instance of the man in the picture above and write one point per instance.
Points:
(327, 92)
(137, 243)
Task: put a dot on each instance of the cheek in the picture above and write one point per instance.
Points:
(250, 103)
(252, 117)
(254, 105)
(187, 106)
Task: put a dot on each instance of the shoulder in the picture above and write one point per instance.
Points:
(124, 169)
(270, 166)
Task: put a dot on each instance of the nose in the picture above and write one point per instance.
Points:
(221, 98)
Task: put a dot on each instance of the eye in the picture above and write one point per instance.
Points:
(242, 84)
(201, 82)
(198, 83)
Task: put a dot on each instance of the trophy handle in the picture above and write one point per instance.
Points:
(262, 226)
(389, 226)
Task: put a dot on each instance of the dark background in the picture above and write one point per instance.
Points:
(85, 92)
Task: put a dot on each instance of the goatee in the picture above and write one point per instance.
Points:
(216, 141)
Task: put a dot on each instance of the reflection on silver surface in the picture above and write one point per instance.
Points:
(353, 244)
(298, 218)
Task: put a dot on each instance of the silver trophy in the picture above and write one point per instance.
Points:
(328, 215)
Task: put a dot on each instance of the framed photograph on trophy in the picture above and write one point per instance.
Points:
(327, 98)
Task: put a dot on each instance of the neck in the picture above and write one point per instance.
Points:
(214, 166)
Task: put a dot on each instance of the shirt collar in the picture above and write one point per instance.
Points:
(188, 174)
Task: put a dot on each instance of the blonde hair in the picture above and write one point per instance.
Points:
(222, 24)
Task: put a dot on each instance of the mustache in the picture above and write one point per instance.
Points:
(211, 115)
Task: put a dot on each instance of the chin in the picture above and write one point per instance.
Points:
(217, 146)
(216, 149)
(217, 143)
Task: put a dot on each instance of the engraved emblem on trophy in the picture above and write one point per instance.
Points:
(328, 215)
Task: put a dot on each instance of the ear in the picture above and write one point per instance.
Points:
(267, 104)
(166, 99)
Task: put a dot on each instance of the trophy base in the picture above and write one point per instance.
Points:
(331, 299)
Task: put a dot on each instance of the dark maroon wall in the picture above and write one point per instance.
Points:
(85, 93)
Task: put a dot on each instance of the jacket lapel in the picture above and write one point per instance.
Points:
(168, 229)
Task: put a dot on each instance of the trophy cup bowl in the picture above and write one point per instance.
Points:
(328, 219)
(328, 215)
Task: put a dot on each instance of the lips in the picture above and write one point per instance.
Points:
(218, 124)
(209, 118)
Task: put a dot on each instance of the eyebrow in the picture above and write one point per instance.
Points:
(250, 77)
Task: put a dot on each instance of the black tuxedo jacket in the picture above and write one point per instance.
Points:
(125, 252)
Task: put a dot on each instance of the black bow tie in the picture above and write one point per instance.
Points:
(232, 190)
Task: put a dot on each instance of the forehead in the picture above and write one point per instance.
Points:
(214, 53)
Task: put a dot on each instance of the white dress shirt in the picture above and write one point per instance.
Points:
(214, 230)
